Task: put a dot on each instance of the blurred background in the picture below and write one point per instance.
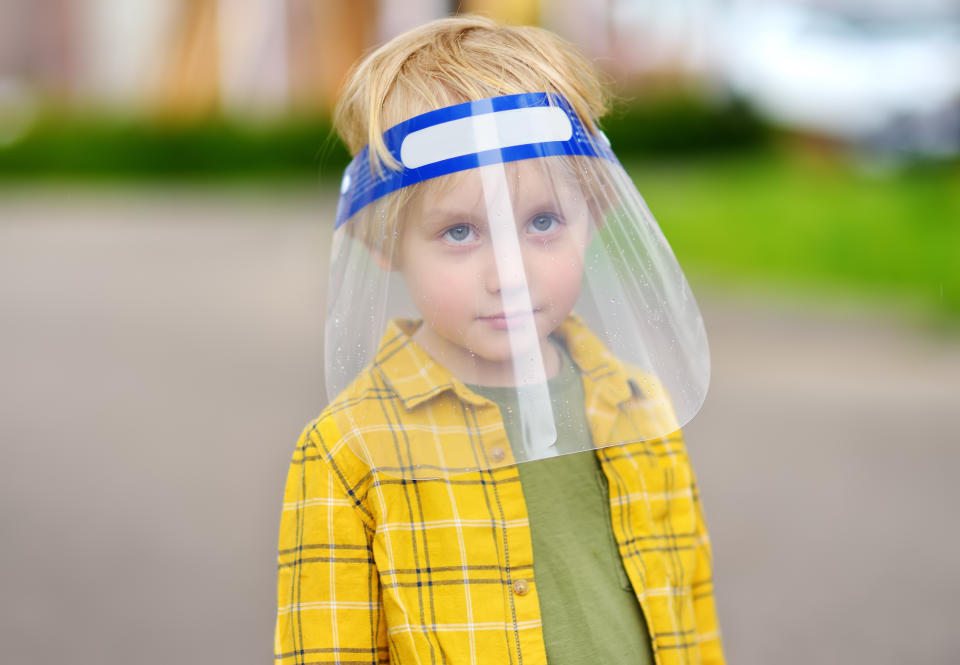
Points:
(167, 186)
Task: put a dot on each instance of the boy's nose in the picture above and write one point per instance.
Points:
(506, 274)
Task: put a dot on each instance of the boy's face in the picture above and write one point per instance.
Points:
(470, 297)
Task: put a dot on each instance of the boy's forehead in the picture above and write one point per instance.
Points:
(526, 180)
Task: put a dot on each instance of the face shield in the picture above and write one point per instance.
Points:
(510, 263)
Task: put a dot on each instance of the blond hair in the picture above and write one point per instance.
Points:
(446, 62)
(454, 60)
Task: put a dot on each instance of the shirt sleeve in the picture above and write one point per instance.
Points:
(328, 591)
(704, 604)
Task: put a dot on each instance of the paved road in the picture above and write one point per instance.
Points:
(160, 350)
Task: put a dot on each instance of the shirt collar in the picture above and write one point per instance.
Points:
(416, 378)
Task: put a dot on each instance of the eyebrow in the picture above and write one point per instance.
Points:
(545, 203)
(440, 217)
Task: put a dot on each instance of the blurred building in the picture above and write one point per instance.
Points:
(193, 57)
(863, 70)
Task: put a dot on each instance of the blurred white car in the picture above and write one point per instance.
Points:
(867, 77)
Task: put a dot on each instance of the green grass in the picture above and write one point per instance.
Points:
(781, 222)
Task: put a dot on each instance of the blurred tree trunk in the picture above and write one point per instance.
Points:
(515, 12)
(326, 38)
(190, 84)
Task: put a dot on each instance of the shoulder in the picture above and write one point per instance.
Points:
(364, 400)
(651, 400)
(365, 428)
(655, 446)
(326, 474)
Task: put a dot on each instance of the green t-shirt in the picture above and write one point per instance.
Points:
(589, 609)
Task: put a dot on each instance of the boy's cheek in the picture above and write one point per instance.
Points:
(442, 305)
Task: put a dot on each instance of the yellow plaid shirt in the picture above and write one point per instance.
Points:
(375, 567)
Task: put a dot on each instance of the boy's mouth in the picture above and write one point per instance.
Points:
(507, 320)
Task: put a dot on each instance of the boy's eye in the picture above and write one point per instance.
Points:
(459, 234)
(543, 223)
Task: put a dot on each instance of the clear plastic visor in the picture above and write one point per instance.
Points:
(539, 294)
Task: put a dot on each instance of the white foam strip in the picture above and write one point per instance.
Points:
(487, 131)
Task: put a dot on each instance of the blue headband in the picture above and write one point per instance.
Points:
(360, 186)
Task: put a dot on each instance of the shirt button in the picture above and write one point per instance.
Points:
(497, 454)
(521, 587)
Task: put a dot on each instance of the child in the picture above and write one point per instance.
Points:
(491, 483)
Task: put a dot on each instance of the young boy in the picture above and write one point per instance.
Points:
(491, 483)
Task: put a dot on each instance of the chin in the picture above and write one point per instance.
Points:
(493, 355)
(502, 353)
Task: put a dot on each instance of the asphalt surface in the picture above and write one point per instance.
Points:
(160, 350)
